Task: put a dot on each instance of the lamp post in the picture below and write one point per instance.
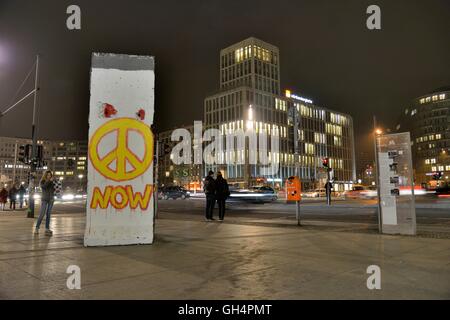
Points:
(80, 176)
(33, 164)
(376, 133)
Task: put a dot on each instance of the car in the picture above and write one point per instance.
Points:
(173, 192)
(369, 193)
(268, 192)
(443, 191)
(321, 192)
(356, 192)
(255, 194)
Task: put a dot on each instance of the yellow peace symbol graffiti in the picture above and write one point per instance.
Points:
(121, 153)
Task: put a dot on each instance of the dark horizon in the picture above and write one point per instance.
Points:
(326, 54)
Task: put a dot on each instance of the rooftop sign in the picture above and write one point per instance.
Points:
(295, 97)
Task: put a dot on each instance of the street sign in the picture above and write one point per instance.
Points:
(120, 204)
(396, 184)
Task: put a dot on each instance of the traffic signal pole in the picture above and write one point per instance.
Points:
(31, 185)
(328, 188)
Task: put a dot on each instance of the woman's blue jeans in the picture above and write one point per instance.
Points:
(46, 208)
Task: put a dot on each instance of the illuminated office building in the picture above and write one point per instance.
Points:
(428, 121)
(250, 98)
(188, 176)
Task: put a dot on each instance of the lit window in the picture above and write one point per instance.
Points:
(319, 138)
(337, 141)
(309, 148)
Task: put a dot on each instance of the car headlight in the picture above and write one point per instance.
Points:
(68, 196)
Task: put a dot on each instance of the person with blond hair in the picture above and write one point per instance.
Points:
(47, 199)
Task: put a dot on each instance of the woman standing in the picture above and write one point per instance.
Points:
(222, 193)
(46, 202)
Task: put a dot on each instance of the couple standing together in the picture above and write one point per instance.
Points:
(215, 190)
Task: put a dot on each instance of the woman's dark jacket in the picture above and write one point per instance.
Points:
(222, 191)
(48, 190)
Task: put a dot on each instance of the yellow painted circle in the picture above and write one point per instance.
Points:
(121, 153)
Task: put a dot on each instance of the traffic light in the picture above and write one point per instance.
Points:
(24, 153)
(21, 157)
(325, 162)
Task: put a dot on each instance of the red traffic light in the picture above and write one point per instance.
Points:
(325, 162)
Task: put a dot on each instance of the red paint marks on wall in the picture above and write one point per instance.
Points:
(109, 110)
(141, 114)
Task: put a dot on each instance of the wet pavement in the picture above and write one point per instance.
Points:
(192, 259)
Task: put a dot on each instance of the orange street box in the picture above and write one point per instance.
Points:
(293, 189)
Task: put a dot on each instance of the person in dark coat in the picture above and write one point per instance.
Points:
(46, 202)
(12, 197)
(222, 193)
(21, 193)
(209, 187)
(3, 198)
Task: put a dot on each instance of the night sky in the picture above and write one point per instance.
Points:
(326, 53)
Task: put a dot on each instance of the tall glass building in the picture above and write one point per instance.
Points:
(250, 98)
(428, 121)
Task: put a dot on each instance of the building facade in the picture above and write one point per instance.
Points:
(11, 169)
(188, 176)
(250, 99)
(67, 160)
(428, 121)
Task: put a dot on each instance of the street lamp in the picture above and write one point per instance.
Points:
(80, 176)
(377, 133)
